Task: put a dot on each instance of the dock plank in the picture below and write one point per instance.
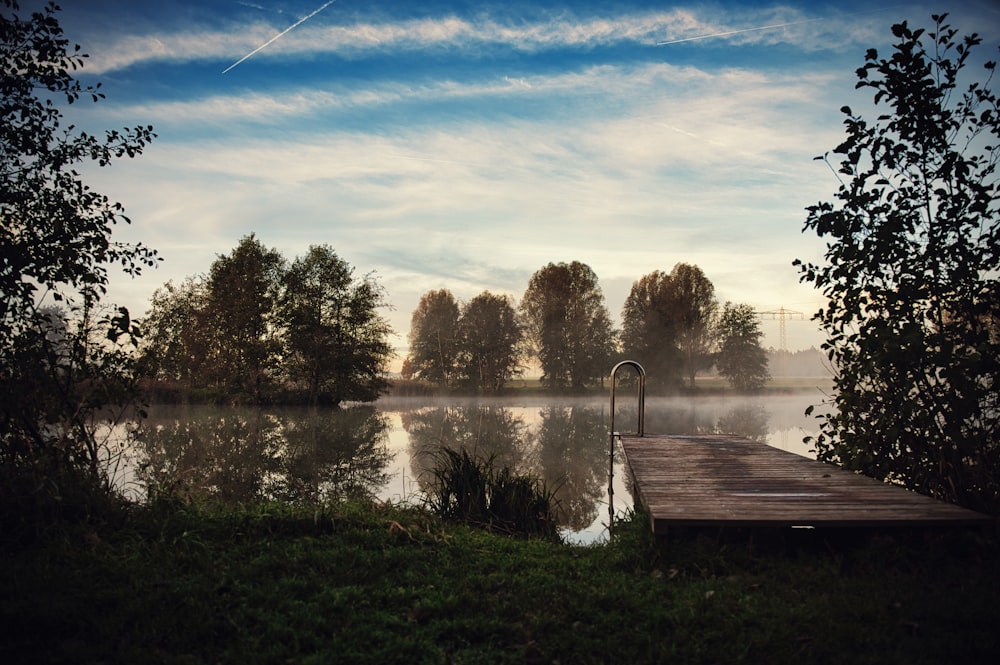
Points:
(733, 481)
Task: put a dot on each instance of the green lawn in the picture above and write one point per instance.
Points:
(371, 584)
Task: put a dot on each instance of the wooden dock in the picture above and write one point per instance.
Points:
(732, 481)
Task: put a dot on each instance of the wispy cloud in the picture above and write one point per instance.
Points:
(454, 33)
(477, 205)
(512, 179)
(739, 31)
(641, 89)
(465, 150)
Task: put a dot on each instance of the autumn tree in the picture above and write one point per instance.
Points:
(433, 337)
(568, 325)
(489, 342)
(256, 328)
(65, 355)
(219, 331)
(912, 273)
(335, 342)
(741, 358)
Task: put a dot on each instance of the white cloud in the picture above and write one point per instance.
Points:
(709, 116)
(728, 123)
(452, 181)
(627, 168)
(454, 33)
(481, 204)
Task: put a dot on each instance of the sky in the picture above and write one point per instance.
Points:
(465, 145)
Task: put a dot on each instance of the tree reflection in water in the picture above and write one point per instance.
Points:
(749, 420)
(572, 455)
(242, 454)
(335, 453)
(481, 430)
(245, 454)
(565, 448)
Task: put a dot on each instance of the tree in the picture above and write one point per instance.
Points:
(489, 342)
(255, 327)
(911, 274)
(60, 368)
(649, 334)
(176, 335)
(434, 337)
(693, 306)
(334, 339)
(568, 325)
(668, 323)
(741, 359)
(243, 290)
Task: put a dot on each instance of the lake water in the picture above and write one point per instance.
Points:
(386, 449)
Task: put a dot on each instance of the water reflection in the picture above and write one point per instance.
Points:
(572, 456)
(749, 420)
(335, 453)
(483, 430)
(241, 455)
(565, 448)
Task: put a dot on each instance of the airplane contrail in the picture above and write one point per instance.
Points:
(736, 32)
(278, 36)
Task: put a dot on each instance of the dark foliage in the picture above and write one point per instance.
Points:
(741, 358)
(257, 330)
(912, 274)
(66, 370)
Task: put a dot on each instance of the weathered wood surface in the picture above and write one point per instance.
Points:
(732, 481)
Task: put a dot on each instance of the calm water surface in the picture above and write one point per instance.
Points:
(386, 449)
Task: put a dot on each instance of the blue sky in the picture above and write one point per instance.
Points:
(464, 145)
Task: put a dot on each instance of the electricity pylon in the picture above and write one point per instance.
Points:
(782, 314)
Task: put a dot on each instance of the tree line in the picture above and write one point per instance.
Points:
(671, 323)
(258, 329)
(910, 274)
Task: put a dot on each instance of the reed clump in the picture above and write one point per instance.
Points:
(477, 491)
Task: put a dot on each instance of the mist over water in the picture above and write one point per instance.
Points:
(387, 449)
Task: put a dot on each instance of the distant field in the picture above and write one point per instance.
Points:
(776, 383)
(717, 383)
(713, 384)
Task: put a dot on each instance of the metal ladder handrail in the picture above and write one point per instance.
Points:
(640, 431)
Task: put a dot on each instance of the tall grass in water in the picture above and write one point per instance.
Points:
(474, 491)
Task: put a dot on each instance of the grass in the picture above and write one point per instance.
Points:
(369, 583)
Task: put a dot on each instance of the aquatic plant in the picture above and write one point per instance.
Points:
(475, 491)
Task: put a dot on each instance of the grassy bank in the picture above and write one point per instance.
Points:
(370, 584)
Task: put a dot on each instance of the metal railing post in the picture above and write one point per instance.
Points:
(640, 430)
